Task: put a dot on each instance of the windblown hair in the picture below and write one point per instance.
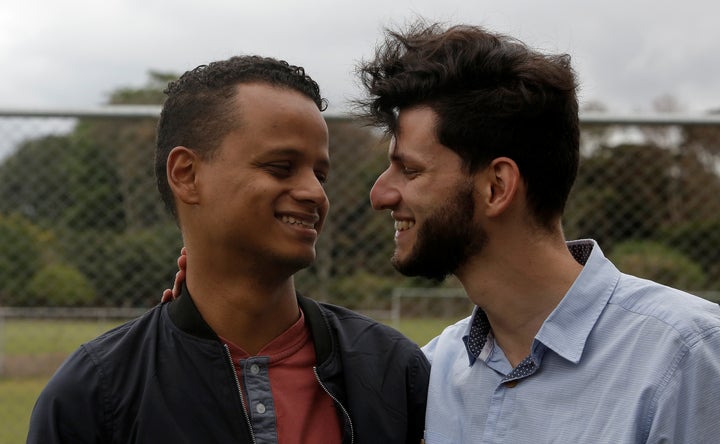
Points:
(493, 97)
(199, 110)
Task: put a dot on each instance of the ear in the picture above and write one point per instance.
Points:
(182, 166)
(501, 183)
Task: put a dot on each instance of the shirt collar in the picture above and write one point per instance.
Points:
(566, 330)
(477, 335)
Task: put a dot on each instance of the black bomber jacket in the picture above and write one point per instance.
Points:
(165, 377)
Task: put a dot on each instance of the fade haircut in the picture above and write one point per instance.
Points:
(198, 112)
(493, 97)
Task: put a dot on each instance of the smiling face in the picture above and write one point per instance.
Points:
(431, 198)
(260, 195)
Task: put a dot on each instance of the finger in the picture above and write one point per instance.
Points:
(179, 278)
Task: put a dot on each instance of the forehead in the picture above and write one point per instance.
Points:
(257, 101)
(270, 118)
(415, 136)
(416, 123)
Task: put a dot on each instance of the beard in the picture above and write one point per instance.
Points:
(446, 239)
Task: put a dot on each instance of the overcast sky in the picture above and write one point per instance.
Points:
(73, 53)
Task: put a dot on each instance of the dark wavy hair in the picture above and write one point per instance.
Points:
(493, 96)
(197, 112)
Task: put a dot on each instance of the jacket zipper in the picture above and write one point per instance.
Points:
(342, 407)
(239, 389)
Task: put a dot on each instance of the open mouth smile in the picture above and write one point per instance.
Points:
(402, 225)
(291, 220)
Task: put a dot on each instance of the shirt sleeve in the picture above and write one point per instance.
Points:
(688, 405)
(69, 409)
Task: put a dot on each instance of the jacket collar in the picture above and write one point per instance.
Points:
(185, 316)
(319, 329)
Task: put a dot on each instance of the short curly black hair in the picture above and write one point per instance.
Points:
(196, 112)
(493, 97)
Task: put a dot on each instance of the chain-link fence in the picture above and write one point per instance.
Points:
(83, 233)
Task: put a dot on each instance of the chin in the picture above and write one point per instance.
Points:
(429, 268)
(301, 261)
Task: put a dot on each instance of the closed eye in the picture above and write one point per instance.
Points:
(410, 172)
(281, 169)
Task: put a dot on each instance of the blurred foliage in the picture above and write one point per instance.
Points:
(20, 255)
(699, 240)
(659, 198)
(660, 263)
(94, 191)
(61, 285)
(88, 200)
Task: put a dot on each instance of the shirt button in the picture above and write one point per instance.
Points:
(254, 369)
(511, 384)
(260, 408)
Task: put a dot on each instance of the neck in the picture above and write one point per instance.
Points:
(518, 281)
(241, 305)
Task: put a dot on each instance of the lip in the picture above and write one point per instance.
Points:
(307, 220)
(403, 227)
(404, 224)
(401, 222)
(306, 224)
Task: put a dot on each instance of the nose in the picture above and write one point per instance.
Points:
(309, 189)
(383, 195)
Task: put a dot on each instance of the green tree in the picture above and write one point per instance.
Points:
(149, 94)
(35, 180)
(621, 193)
(94, 191)
(660, 263)
(21, 256)
(646, 192)
(60, 285)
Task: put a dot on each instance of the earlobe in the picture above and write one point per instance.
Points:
(182, 167)
(502, 182)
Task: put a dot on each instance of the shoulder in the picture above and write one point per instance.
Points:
(73, 401)
(449, 340)
(692, 318)
(113, 345)
(347, 322)
(128, 337)
(354, 336)
(373, 351)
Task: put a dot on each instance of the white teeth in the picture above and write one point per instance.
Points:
(402, 225)
(293, 221)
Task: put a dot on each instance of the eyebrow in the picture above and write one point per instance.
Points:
(393, 153)
(396, 155)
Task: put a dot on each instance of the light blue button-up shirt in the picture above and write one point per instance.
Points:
(619, 360)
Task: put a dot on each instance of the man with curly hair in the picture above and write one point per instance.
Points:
(562, 347)
(240, 356)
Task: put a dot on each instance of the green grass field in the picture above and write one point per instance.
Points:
(40, 346)
(32, 350)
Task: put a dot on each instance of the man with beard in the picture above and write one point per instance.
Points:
(562, 346)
